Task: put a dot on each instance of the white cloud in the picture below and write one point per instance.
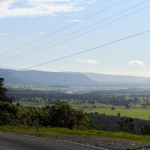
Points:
(75, 21)
(17, 8)
(136, 63)
(87, 61)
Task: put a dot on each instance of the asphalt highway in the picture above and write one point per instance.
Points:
(11, 141)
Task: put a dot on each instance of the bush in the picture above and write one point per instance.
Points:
(8, 112)
(63, 115)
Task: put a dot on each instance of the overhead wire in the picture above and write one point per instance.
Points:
(62, 29)
(78, 53)
(41, 46)
(61, 42)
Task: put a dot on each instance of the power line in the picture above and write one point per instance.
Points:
(62, 29)
(61, 42)
(81, 52)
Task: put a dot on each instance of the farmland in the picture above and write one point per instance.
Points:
(130, 103)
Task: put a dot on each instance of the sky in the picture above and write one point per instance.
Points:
(33, 32)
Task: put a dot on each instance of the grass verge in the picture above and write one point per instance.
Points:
(64, 131)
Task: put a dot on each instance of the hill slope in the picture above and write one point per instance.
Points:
(47, 78)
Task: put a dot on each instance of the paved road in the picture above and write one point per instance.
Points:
(10, 141)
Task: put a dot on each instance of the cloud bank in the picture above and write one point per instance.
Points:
(20, 8)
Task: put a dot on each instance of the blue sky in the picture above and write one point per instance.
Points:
(23, 21)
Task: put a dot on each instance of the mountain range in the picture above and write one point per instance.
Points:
(38, 78)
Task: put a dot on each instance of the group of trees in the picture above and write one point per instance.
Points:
(118, 123)
(63, 115)
(7, 110)
(50, 97)
(58, 115)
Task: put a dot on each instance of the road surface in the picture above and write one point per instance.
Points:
(11, 141)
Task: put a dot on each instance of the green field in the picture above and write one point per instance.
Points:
(132, 112)
(135, 111)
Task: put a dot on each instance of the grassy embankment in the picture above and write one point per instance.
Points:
(64, 131)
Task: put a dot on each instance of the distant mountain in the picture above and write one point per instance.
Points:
(116, 78)
(38, 78)
(41, 78)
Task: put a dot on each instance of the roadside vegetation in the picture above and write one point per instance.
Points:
(75, 132)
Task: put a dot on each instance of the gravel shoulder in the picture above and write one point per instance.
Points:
(93, 141)
(104, 142)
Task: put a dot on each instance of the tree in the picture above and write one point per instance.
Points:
(112, 108)
(8, 111)
(63, 115)
(126, 124)
(3, 90)
(127, 106)
(146, 130)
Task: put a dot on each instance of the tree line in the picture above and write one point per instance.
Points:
(50, 97)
